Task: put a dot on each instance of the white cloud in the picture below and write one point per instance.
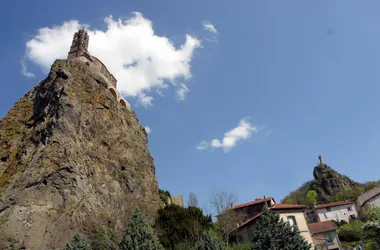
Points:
(209, 27)
(144, 100)
(24, 70)
(203, 145)
(182, 90)
(138, 58)
(242, 132)
(148, 130)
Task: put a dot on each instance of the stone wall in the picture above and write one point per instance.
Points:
(178, 200)
(102, 68)
(111, 81)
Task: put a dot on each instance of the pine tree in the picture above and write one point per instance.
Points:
(139, 235)
(79, 242)
(274, 234)
(209, 241)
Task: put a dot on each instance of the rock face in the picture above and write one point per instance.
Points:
(331, 181)
(71, 156)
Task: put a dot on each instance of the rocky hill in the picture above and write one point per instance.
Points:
(72, 157)
(329, 182)
(329, 186)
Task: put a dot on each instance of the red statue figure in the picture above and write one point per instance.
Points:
(320, 158)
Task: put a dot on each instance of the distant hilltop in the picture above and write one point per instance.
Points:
(329, 185)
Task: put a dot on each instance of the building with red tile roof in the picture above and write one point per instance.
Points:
(325, 233)
(292, 213)
(337, 211)
(334, 204)
(369, 199)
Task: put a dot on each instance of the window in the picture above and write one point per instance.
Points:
(292, 222)
(330, 238)
(328, 209)
(349, 209)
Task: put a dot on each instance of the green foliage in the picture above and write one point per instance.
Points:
(272, 233)
(354, 193)
(209, 241)
(240, 247)
(311, 198)
(176, 224)
(165, 196)
(79, 242)
(351, 231)
(139, 235)
(339, 223)
(339, 196)
(104, 238)
(371, 184)
(372, 214)
(299, 195)
(288, 201)
(372, 230)
(183, 246)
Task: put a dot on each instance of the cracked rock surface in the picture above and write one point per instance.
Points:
(71, 155)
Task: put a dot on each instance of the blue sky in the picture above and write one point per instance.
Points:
(303, 74)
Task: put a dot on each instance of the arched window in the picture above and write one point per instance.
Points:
(292, 222)
(113, 92)
(122, 102)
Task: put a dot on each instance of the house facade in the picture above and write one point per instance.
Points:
(295, 215)
(371, 198)
(324, 235)
(292, 213)
(337, 211)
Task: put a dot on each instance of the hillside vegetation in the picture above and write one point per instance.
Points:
(327, 186)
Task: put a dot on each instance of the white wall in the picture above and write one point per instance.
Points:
(245, 234)
(374, 202)
(301, 224)
(337, 213)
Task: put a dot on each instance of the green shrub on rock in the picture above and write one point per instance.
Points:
(79, 242)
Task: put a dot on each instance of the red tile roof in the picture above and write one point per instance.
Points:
(247, 221)
(334, 204)
(257, 201)
(274, 207)
(321, 227)
(287, 206)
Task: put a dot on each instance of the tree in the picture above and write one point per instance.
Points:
(372, 214)
(103, 237)
(272, 234)
(178, 225)
(288, 201)
(193, 200)
(139, 235)
(339, 196)
(222, 201)
(351, 231)
(209, 241)
(311, 198)
(79, 242)
(165, 196)
(372, 232)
